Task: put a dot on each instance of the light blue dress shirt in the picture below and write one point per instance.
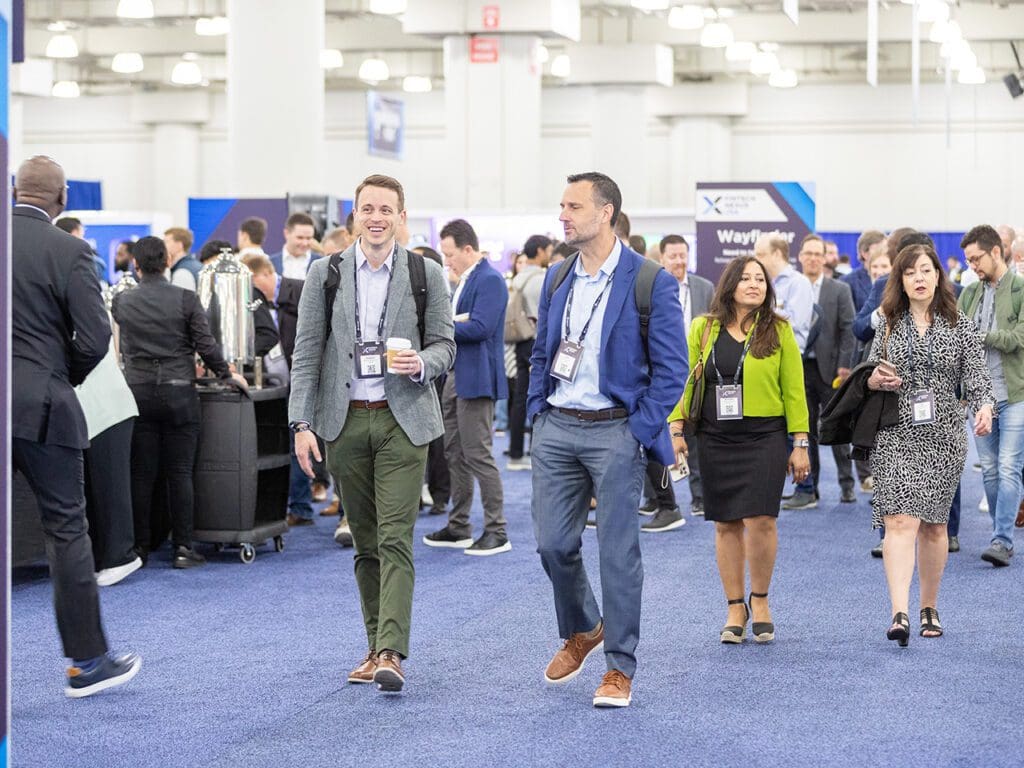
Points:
(794, 300)
(584, 392)
(372, 285)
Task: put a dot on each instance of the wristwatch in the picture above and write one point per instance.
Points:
(299, 426)
(801, 442)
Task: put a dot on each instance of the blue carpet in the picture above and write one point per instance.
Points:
(244, 665)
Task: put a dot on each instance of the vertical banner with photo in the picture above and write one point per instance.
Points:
(731, 216)
(385, 125)
(6, 33)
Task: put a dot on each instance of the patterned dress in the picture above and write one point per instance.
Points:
(917, 467)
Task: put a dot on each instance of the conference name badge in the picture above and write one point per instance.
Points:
(922, 405)
(729, 402)
(567, 361)
(370, 360)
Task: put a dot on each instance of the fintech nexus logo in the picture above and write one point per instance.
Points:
(738, 205)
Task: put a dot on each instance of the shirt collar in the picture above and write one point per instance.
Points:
(465, 275)
(287, 255)
(34, 208)
(821, 279)
(361, 258)
(609, 264)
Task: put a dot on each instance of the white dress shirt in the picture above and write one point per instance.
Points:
(296, 266)
(372, 287)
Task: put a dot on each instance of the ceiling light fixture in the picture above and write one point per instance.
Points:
(66, 89)
(127, 63)
(561, 66)
(541, 53)
(716, 35)
(331, 58)
(62, 46)
(186, 71)
(944, 31)
(932, 10)
(783, 78)
(739, 51)
(417, 84)
(135, 9)
(650, 5)
(964, 59)
(215, 26)
(953, 48)
(763, 63)
(388, 7)
(374, 71)
(972, 76)
(686, 17)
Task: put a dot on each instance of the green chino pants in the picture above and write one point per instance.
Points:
(381, 474)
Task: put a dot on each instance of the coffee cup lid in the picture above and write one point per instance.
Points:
(396, 342)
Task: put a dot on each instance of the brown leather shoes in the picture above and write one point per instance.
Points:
(614, 690)
(331, 509)
(364, 672)
(1019, 522)
(568, 662)
(296, 521)
(388, 675)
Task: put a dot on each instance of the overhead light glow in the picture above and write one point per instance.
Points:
(716, 35)
(650, 5)
(127, 63)
(561, 66)
(973, 76)
(944, 31)
(763, 63)
(388, 7)
(783, 78)
(964, 59)
(66, 89)
(739, 51)
(135, 9)
(417, 84)
(62, 46)
(953, 48)
(374, 71)
(541, 53)
(726, 13)
(215, 26)
(686, 17)
(331, 58)
(187, 72)
(932, 10)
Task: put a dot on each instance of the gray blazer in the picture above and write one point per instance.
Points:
(834, 346)
(322, 377)
(702, 291)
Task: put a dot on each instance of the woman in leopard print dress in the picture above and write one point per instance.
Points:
(932, 351)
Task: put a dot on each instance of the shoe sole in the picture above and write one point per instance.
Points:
(129, 569)
(997, 562)
(506, 547)
(110, 682)
(510, 468)
(388, 680)
(670, 527)
(458, 544)
(645, 513)
(186, 566)
(344, 541)
(876, 554)
(728, 638)
(813, 505)
(360, 680)
(573, 675)
(765, 637)
(612, 701)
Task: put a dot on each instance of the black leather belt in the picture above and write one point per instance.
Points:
(606, 414)
(368, 405)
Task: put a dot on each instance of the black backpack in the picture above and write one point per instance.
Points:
(643, 290)
(417, 279)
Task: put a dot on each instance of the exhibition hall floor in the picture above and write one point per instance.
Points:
(244, 665)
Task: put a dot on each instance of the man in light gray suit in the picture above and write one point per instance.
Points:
(376, 414)
(830, 346)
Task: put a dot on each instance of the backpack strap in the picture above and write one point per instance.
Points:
(561, 273)
(331, 283)
(418, 283)
(643, 290)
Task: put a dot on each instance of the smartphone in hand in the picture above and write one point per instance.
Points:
(681, 470)
(886, 368)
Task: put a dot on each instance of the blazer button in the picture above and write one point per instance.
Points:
(348, 385)
(349, 355)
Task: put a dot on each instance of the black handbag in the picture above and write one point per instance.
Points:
(697, 380)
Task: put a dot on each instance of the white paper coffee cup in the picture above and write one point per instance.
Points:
(394, 346)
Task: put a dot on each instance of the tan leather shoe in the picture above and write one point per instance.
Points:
(568, 662)
(388, 675)
(319, 491)
(1019, 522)
(614, 690)
(364, 672)
(331, 509)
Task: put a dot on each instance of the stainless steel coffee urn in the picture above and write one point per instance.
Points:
(225, 292)
(126, 283)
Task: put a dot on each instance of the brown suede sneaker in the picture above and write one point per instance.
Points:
(568, 662)
(388, 675)
(364, 672)
(614, 690)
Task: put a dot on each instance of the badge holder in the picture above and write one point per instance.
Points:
(370, 360)
(729, 402)
(922, 404)
(567, 361)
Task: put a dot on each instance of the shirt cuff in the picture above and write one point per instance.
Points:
(876, 319)
(418, 377)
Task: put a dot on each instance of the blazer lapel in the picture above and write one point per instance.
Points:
(399, 287)
(556, 312)
(622, 285)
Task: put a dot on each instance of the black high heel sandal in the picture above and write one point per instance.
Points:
(763, 631)
(930, 622)
(731, 633)
(900, 629)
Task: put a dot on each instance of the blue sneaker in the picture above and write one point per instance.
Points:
(108, 673)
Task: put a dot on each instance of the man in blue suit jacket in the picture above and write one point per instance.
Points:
(295, 259)
(476, 382)
(599, 400)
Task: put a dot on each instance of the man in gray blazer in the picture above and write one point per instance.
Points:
(376, 415)
(829, 348)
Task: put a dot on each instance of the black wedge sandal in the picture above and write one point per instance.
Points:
(733, 634)
(763, 631)
(900, 629)
(930, 622)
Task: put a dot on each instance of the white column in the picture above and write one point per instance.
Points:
(493, 120)
(699, 150)
(275, 97)
(619, 120)
(175, 169)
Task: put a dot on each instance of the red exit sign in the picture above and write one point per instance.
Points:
(492, 16)
(483, 50)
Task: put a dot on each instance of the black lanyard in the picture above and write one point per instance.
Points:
(912, 336)
(383, 311)
(743, 356)
(593, 310)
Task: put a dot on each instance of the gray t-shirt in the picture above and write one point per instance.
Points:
(530, 281)
(986, 320)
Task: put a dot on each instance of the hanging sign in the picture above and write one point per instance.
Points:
(492, 16)
(483, 50)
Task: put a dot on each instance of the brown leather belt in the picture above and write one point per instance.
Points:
(604, 415)
(367, 405)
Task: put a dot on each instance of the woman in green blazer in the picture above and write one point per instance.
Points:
(753, 395)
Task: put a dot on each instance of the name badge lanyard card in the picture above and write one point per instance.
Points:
(922, 401)
(371, 357)
(570, 353)
(729, 397)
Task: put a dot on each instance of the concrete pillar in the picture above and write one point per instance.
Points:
(175, 169)
(699, 150)
(493, 120)
(619, 120)
(275, 97)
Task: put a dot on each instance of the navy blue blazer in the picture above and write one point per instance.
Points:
(480, 341)
(647, 393)
(860, 286)
(862, 322)
(275, 259)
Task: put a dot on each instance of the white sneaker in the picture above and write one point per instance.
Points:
(110, 576)
(519, 465)
(983, 504)
(426, 500)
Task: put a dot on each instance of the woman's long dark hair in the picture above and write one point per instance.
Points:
(765, 339)
(895, 300)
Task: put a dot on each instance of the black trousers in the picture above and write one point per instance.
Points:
(57, 477)
(164, 444)
(819, 392)
(658, 485)
(517, 400)
(439, 481)
(108, 496)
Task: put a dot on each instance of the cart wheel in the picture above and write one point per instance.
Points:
(279, 543)
(218, 547)
(247, 553)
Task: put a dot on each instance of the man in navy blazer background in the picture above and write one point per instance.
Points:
(295, 258)
(599, 400)
(476, 382)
